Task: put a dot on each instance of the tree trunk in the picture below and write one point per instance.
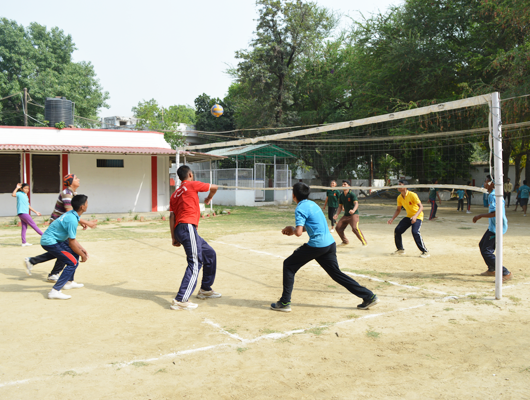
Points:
(527, 167)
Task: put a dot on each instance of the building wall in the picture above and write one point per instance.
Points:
(114, 189)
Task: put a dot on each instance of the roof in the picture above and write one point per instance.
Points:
(196, 157)
(104, 141)
(259, 150)
(87, 149)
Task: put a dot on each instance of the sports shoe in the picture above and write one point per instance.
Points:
(28, 265)
(57, 294)
(366, 304)
(279, 306)
(507, 277)
(332, 230)
(26, 244)
(178, 305)
(208, 294)
(487, 273)
(398, 252)
(425, 254)
(72, 285)
(53, 278)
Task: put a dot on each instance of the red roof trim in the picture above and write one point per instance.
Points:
(86, 149)
(78, 129)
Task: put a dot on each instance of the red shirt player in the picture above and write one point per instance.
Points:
(183, 222)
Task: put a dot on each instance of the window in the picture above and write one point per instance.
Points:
(9, 172)
(104, 163)
(46, 173)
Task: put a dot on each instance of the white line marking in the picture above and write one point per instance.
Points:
(314, 264)
(273, 336)
(223, 331)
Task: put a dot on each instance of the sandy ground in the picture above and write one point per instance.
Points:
(438, 332)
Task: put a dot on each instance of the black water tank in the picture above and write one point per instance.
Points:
(58, 109)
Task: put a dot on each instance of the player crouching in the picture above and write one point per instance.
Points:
(321, 247)
(183, 223)
(59, 241)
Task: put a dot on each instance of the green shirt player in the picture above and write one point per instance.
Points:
(332, 201)
(349, 202)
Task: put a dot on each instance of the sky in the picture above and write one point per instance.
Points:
(171, 51)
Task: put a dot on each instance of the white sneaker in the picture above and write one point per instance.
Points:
(72, 285)
(468, 212)
(208, 294)
(57, 294)
(332, 230)
(398, 252)
(425, 254)
(28, 265)
(53, 278)
(177, 305)
(26, 244)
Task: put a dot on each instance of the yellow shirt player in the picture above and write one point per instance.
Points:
(412, 204)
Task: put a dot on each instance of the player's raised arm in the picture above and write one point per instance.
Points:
(213, 190)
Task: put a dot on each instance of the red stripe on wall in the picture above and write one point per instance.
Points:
(154, 187)
(27, 171)
(65, 165)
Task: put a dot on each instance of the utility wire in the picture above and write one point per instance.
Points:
(3, 98)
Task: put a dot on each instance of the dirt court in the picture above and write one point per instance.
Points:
(437, 332)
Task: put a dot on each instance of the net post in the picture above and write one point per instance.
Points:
(499, 189)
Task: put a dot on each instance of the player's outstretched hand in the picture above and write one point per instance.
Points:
(335, 216)
(176, 243)
(39, 214)
(476, 218)
(389, 222)
(207, 200)
(92, 224)
(288, 230)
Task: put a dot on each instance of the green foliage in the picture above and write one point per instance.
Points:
(286, 32)
(41, 61)
(206, 121)
(60, 125)
(151, 116)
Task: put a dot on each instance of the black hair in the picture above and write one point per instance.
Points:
(524, 182)
(183, 171)
(78, 201)
(468, 182)
(345, 181)
(301, 191)
(22, 187)
(403, 181)
(434, 180)
(488, 177)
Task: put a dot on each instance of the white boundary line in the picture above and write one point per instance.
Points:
(314, 264)
(273, 336)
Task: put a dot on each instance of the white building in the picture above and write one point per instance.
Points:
(119, 170)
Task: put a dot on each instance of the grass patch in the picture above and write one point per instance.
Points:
(319, 330)
(230, 330)
(267, 331)
(471, 319)
(527, 369)
(448, 309)
(241, 350)
(352, 316)
(464, 227)
(332, 286)
(368, 272)
(372, 334)
(69, 373)
(140, 364)
(162, 370)
(516, 300)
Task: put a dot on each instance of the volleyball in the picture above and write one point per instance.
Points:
(217, 110)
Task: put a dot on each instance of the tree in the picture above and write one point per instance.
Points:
(41, 61)
(206, 121)
(153, 117)
(286, 30)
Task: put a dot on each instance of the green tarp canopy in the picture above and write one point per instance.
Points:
(257, 150)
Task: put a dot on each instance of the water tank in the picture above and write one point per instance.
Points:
(57, 109)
